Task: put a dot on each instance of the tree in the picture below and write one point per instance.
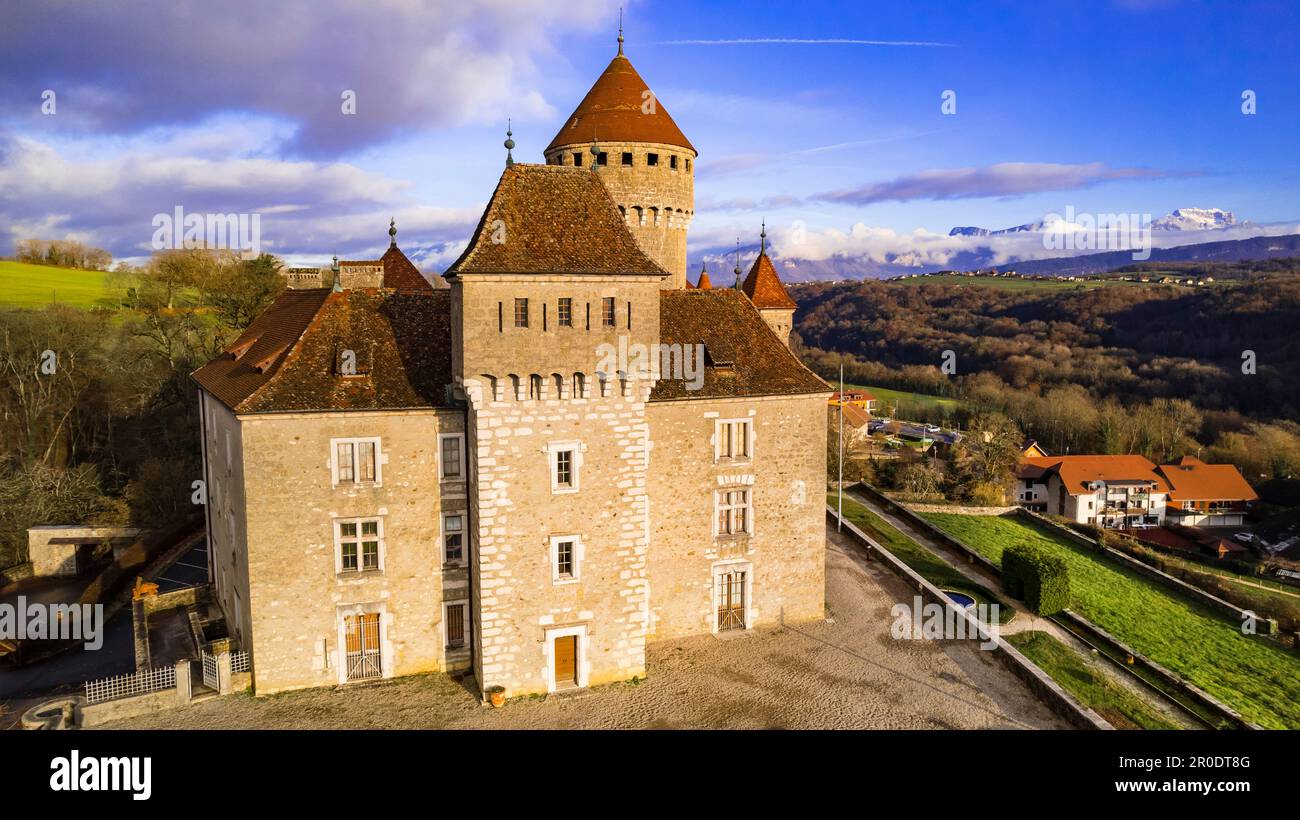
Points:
(986, 457)
(239, 292)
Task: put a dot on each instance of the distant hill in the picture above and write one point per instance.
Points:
(1257, 247)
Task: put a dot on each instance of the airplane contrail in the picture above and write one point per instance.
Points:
(800, 41)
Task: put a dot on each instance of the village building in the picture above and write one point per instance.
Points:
(533, 473)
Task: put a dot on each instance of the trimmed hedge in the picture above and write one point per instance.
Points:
(1036, 577)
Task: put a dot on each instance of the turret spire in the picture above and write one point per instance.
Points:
(737, 268)
(762, 239)
(620, 30)
(509, 144)
(392, 232)
(338, 283)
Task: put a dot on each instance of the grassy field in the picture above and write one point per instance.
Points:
(1255, 677)
(924, 562)
(1120, 707)
(33, 286)
(885, 396)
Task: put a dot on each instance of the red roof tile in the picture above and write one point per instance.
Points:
(552, 219)
(1078, 471)
(614, 110)
(763, 286)
(1191, 479)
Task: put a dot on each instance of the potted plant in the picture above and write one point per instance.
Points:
(497, 694)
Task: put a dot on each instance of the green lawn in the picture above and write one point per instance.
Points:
(926, 564)
(885, 396)
(33, 286)
(1080, 677)
(1257, 678)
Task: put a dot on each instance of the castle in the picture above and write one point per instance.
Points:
(569, 453)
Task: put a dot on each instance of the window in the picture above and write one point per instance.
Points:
(672, 162)
(521, 313)
(452, 456)
(730, 595)
(579, 386)
(607, 311)
(652, 159)
(564, 468)
(733, 511)
(602, 158)
(566, 558)
(627, 157)
(355, 460)
(732, 439)
(455, 620)
(358, 545)
(564, 313)
(688, 163)
(453, 539)
(577, 158)
(565, 459)
(535, 387)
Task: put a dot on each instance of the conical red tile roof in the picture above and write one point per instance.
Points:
(763, 286)
(614, 111)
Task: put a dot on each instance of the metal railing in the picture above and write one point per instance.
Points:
(239, 662)
(211, 678)
(136, 683)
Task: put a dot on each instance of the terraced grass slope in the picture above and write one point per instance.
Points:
(1257, 678)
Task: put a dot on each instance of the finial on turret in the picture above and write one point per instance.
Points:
(510, 145)
(338, 283)
(737, 269)
(762, 239)
(620, 30)
(392, 232)
(595, 150)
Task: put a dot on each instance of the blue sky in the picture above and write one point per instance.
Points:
(1106, 107)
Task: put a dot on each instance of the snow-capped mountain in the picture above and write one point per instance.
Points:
(970, 231)
(1195, 219)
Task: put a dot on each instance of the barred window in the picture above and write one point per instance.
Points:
(455, 625)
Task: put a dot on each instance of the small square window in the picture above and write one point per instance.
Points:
(607, 311)
(627, 157)
(521, 313)
(358, 545)
(602, 158)
(356, 461)
(672, 162)
(733, 439)
(564, 313)
(652, 160)
(577, 159)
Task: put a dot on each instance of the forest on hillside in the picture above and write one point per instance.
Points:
(1152, 369)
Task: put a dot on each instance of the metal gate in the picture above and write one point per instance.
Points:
(363, 647)
(210, 677)
(731, 600)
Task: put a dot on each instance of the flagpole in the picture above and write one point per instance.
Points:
(839, 520)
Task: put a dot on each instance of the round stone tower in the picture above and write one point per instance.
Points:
(624, 134)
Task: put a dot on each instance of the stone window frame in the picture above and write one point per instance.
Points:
(579, 554)
(750, 440)
(521, 312)
(608, 311)
(460, 476)
(380, 459)
(723, 567)
(468, 625)
(442, 538)
(335, 527)
(553, 449)
(719, 493)
(564, 312)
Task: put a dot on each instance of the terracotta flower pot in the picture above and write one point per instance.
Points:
(498, 699)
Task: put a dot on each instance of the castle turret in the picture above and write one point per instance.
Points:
(621, 131)
(764, 289)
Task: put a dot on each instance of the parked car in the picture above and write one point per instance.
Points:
(1245, 537)
(933, 428)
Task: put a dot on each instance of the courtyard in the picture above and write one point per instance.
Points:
(846, 672)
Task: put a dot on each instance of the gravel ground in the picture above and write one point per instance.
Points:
(843, 673)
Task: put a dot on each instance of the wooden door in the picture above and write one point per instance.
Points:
(566, 661)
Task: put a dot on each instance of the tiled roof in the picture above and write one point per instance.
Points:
(1191, 479)
(747, 359)
(763, 286)
(400, 272)
(614, 110)
(552, 219)
(1078, 471)
(855, 416)
(289, 357)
